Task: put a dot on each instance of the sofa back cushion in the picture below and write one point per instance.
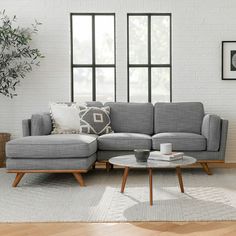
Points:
(131, 117)
(94, 104)
(178, 117)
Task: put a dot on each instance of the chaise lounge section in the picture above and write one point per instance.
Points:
(135, 125)
(63, 153)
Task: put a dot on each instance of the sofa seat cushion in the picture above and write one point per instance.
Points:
(180, 141)
(124, 141)
(52, 146)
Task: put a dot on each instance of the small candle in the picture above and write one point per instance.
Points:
(166, 148)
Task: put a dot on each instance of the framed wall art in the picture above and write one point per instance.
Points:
(228, 60)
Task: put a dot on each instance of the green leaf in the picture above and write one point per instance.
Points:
(17, 57)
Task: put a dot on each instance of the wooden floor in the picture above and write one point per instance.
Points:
(123, 229)
(120, 229)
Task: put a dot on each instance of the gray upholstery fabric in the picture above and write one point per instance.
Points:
(180, 141)
(131, 117)
(65, 162)
(178, 117)
(26, 127)
(106, 155)
(52, 146)
(218, 155)
(124, 141)
(223, 138)
(205, 155)
(51, 164)
(41, 124)
(199, 155)
(211, 126)
(94, 104)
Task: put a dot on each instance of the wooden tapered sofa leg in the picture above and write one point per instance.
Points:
(112, 166)
(79, 179)
(108, 166)
(17, 179)
(206, 168)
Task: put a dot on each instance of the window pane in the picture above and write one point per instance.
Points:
(82, 39)
(82, 84)
(105, 84)
(160, 85)
(104, 35)
(138, 39)
(138, 82)
(160, 39)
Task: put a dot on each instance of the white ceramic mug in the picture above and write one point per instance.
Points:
(166, 148)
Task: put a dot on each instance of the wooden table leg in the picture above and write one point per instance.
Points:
(150, 186)
(181, 185)
(125, 175)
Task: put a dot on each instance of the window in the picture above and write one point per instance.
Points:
(149, 57)
(93, 57)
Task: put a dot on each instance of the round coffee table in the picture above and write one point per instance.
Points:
(129, 161)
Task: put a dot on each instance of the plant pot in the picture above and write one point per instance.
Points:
(4, 138)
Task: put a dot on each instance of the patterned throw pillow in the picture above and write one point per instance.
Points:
(65, 118)
(94, 120)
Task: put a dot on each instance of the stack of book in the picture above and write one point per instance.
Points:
(156, 155)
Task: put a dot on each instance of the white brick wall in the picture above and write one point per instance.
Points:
(198, 29)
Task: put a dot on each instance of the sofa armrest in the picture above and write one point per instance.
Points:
(41, 124)
(26, 127)
(211, 130)
(223, 138)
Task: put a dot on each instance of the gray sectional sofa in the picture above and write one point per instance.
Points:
(135, 125)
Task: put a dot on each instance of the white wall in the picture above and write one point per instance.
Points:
(198, 29)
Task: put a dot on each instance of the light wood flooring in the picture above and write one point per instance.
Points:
(120, 229)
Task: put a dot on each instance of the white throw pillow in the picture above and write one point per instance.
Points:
(65, 118)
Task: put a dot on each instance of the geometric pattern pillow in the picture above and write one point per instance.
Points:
(94, 120)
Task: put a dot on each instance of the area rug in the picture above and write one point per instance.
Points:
(59, 198)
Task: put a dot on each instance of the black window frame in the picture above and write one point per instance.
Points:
(149, 65)
(93, 65)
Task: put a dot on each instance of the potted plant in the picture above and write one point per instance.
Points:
(17, 58)
(4, 138)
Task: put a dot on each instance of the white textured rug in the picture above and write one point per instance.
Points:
(58, 197)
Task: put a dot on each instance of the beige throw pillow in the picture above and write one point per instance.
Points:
(65, 118)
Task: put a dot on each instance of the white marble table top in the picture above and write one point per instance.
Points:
(130, 161)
